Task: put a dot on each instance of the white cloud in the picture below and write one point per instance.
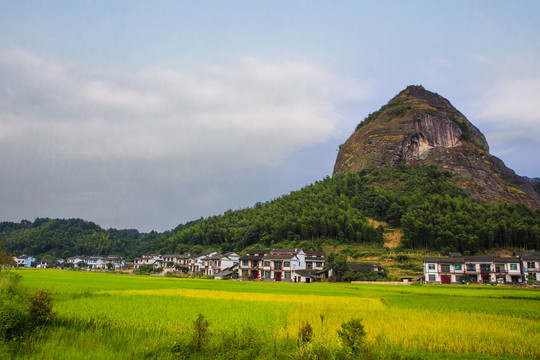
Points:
(200, 121)
(510, 110)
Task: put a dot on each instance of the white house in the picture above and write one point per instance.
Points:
(531, 265)
(150, 259)
(95, 262)
(24, 260)
(280, 264)
(74, 260)
(479, 269)
(115, 262)
(229, 260)
(43, 264)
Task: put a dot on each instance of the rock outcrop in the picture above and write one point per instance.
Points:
(421, 127)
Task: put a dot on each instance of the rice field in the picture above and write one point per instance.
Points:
(102, 316)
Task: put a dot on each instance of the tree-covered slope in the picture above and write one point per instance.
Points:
(62, 238)
(433, 212)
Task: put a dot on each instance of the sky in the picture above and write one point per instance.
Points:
(148, 114)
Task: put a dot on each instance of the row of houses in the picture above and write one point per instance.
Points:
(205, 263)
(276, 264)
(111, 262)
(90, 262)
(457, 268)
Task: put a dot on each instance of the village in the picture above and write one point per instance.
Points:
(292, 265)
(297, 265)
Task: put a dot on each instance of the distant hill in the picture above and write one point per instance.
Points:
(61, 238)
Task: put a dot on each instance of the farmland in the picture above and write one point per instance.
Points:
(101, 315)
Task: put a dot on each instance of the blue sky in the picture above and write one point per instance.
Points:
(147, 114)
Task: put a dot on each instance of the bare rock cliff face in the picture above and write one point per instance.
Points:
(422, 127)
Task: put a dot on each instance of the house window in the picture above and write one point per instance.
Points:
(531, 265)
(458, 267)
(445, 268)
(431, 267)
(319, 264)
(277, 265)
(267, 264)
(499, 268)
(471, 267)
(432, 278)
(513, 267)
(309, 265)
(268, 274)
(287, 274)
(287, 264)
(244, 263)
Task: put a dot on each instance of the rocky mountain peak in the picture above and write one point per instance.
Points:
(418, 126)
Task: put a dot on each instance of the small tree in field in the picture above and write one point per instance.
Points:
(200, 335)
(352, 334)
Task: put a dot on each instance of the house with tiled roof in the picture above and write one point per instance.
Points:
(280, 265)
(477, 269)
(24, 260)
(530, 262)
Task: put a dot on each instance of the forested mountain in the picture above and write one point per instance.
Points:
(432, 210)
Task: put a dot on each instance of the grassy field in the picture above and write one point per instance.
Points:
(102, 316)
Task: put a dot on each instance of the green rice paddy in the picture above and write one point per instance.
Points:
(102, 316)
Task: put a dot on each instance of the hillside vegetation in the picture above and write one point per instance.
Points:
(431, 210)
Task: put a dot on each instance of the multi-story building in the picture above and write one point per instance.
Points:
(114, 262)
(213, 264)
(478, 269)
(250, 265)
(314, 260)
(531, 265)
(24, 260)
(280, 264)
(150, 259)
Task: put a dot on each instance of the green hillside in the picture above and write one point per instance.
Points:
(432, 212)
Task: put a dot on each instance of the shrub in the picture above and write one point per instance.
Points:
(41, 307)
(398, 110)
(352, 334)
(402, 258)
(200, 335)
